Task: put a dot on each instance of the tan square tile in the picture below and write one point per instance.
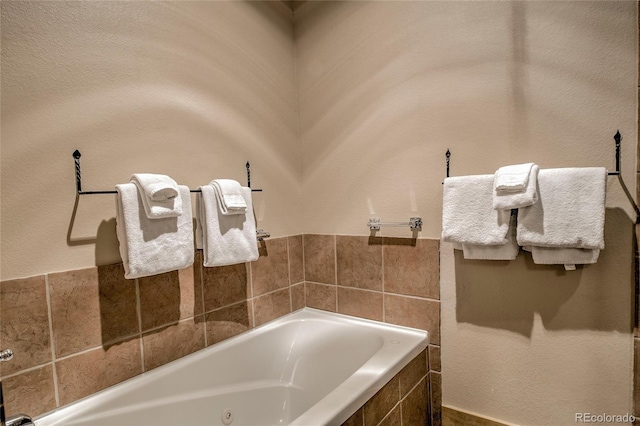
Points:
(25, 323)
(297, 297)
(359, 262)
(360, 303)
(227, 322)
(412, 373)
(271, 271)
(31, 392)
(434, 358)
(393, 418)
(271, 306)
(413, 312)
(435, 380)
(382, 402)
(89, 372)
(415, 407)
(168, 298)
(319, 258)
(118, 304)
(321, 296)
(75, 310)
(296, 259)
(226, 285)
(412, 267)
(636, 376)
(355, 420)
(170, 343)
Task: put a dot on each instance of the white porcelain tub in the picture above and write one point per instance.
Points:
(307, 368)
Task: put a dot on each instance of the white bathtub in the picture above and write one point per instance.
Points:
(307, 368)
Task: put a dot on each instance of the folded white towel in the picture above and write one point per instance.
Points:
(511, 199)
(508, 251)
(514, 178)
(467, 212)
(564, 256)
(230, 197)
(569, 212)
(152, 246)
(225, 240)
(160, 195)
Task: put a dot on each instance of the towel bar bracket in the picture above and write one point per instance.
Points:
(374, 224)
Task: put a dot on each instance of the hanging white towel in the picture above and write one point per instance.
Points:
(468, 216)
(564, 256)
(507, 251)
(512, 198)
(225, 239)
(229, 195)
(570, 210)
(513, 178)
(160, 195)
(152, 246)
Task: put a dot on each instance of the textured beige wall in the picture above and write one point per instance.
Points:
(386, 87)
(188, 89)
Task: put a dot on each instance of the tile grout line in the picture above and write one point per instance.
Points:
(335, 267)
(289, 271)
(253, 306)
(204, 313)
(304, 271)
(139, 309)
(384, 297)
(53, 344)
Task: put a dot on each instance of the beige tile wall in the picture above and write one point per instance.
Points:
(77, 332)
(395, 280)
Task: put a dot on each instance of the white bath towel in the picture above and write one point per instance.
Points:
(467, 212)
(152, 246)
(225, 240)
(513, 178)
(160, 195)
(229, 195)
(512, 199)
(564, 256)
(507, 251)
(569, 212)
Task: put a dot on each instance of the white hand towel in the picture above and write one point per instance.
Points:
(570, 211)
(511, 199)
(467, 212)
(230, 196)
(151, 246)
(225, 240)
(508, 251)
(160, 195)
(563, 256)
(514, 178)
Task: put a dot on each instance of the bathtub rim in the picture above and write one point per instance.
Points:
(324, 408)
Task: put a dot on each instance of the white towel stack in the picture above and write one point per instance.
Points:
(229, 196)
(468, 218)
(566, 225)
(515, 186)
(226, 239)
(160, 195)
(152, 246)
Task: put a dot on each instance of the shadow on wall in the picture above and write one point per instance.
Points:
(508, 294)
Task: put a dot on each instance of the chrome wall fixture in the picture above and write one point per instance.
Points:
(415, 223)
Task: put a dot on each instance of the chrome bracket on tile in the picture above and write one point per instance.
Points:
(6, 355)
(374, 224)
(261, 234)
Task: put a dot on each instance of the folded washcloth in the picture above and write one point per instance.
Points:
(160, 195)
(229, 195)
(506, 199)
(508, 251)
(467, 212)
(152, 246)
(225, 240)
(514, 178)
(569, 257)
(569, 212)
